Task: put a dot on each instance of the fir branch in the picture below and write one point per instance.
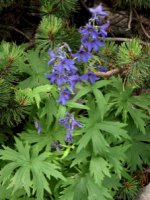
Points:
(5, 70)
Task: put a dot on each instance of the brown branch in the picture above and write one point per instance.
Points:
(108, 74)
(141, 24)
(119, 39)
(18, 31)
(130, 17)
(144, 30)
(15, 29)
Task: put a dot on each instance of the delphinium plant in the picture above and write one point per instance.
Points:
(86, 134)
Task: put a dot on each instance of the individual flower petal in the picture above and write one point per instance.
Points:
(53, 57)
(82, 55)
(103, 28)
(98, 11)
(69, 137)
(94, 44)
(73, 80)
(75, 124)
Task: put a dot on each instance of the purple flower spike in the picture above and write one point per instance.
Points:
(98, 11)
(70, 124)
(69, 137)
(82, 55)
(64, 96)
(89, 77)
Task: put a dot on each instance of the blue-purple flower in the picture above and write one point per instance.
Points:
(93, 44)
(56, 77)
(70, 124)
(82, 55)
(65, 64)
(88, 31)
(89, 76)
(64, 96)
(98, 10)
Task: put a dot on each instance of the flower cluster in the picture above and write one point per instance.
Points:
(69, 124)
(90, 40)
(64, 72)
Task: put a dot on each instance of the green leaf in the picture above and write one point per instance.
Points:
(36, 68)
(83, 91)
(67, 193)
(80, 190)
(114, 128)
(85, 140)
(101, 83)
(139, 118)
(77, 105)
(81, 157)
(101, 102)
(100, 145)
(32, 169)
(96, 192)
(117, 158)
(99, 168)
(36, 94)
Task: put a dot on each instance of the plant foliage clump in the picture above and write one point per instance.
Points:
(74, 111)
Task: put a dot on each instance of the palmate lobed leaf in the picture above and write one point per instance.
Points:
(138, 153)
(114, 128)
(99, 168)
(84, 188)
(32, 169)
(128, 105)
(36, 68)
(117, 157)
